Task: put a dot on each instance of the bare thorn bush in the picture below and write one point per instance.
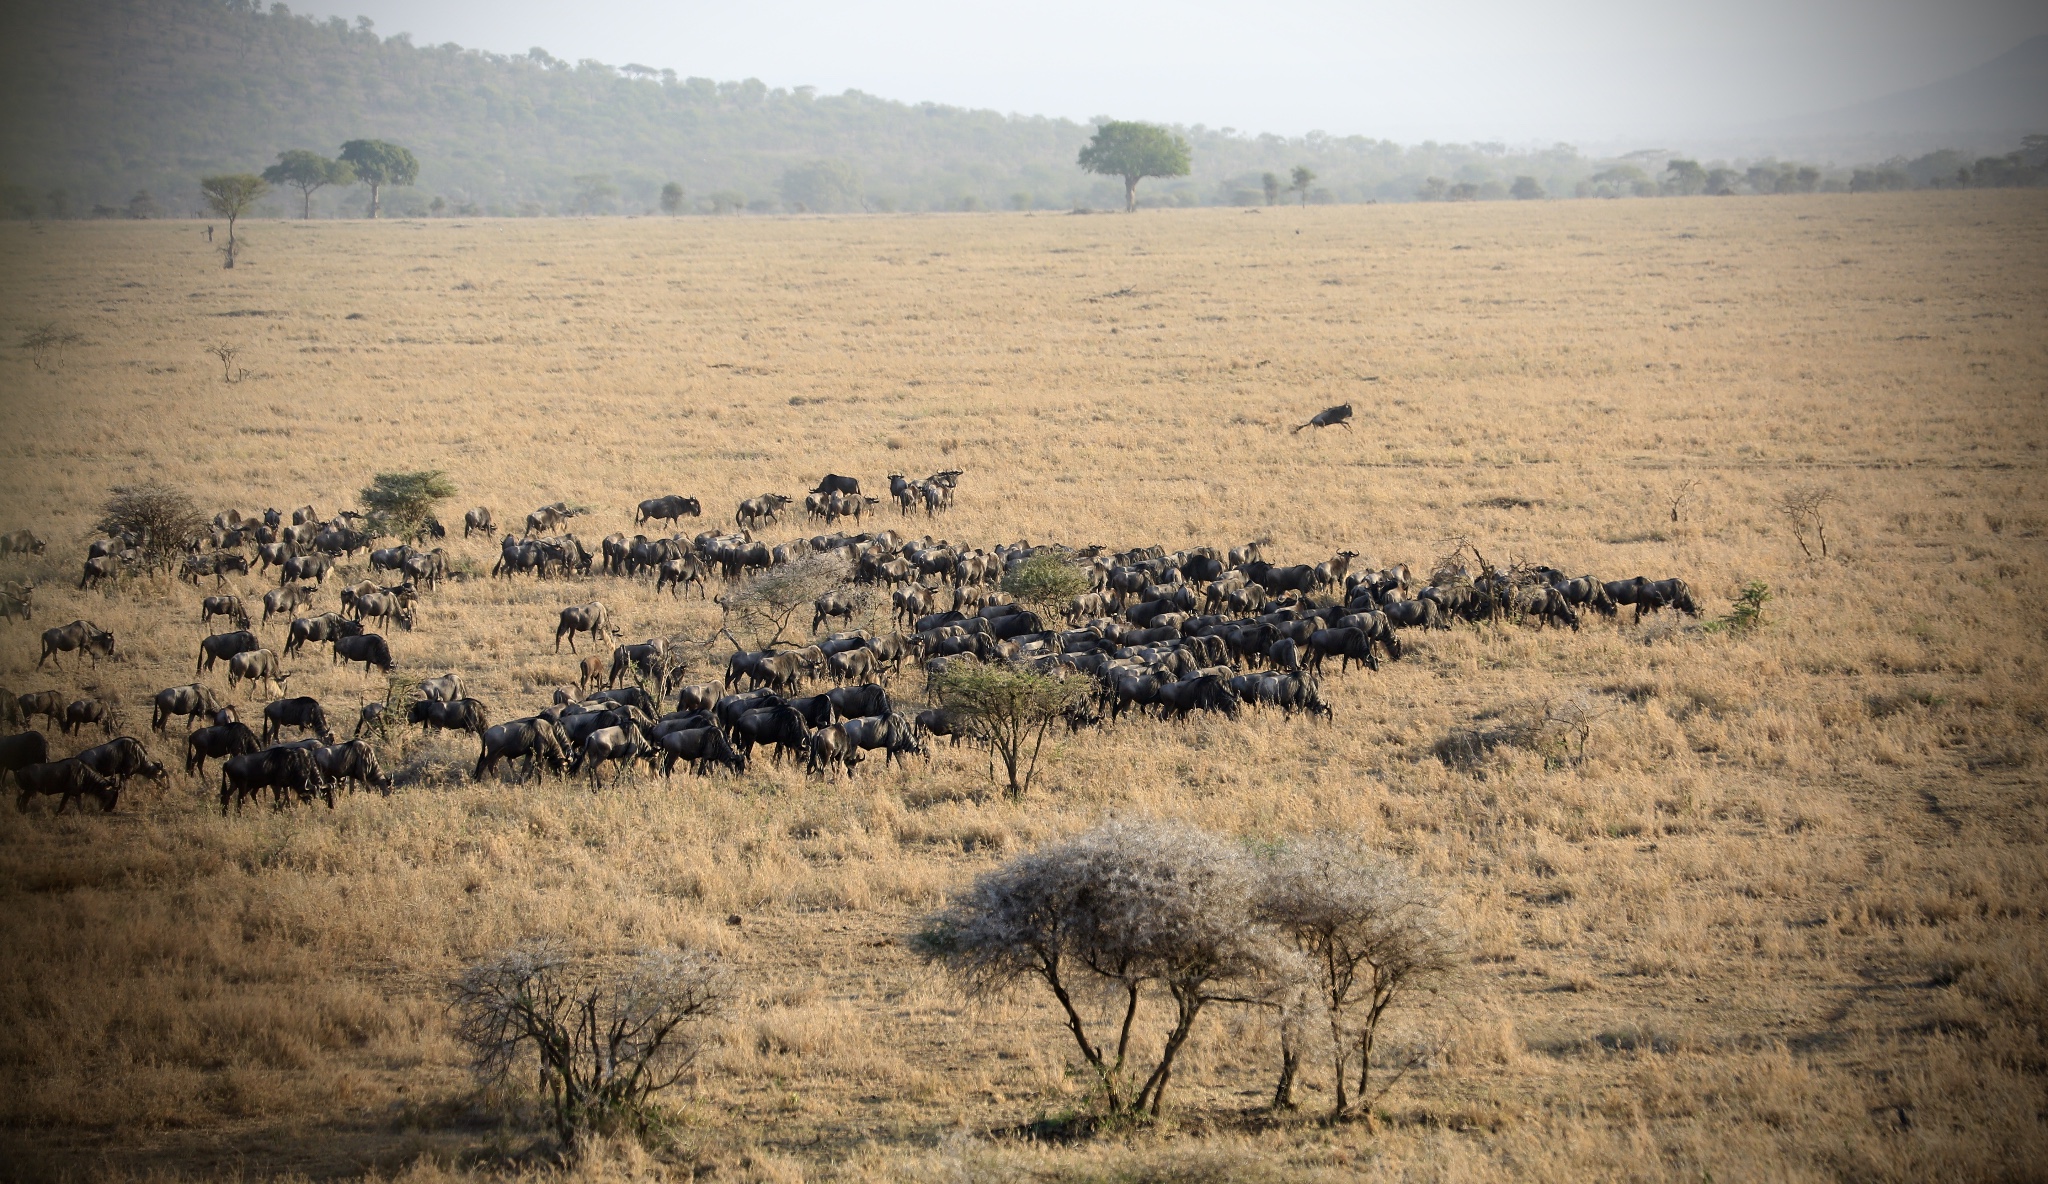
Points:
(766, 610)
(162, 520)
(46, 344)
(1805, 508)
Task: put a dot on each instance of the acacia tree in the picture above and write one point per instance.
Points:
(377, 164)
(766, 610)
(161, 519)
(401, 503)
(306, 172)
(230, 195)
(672, 199)
(1304, 177)
(1045, 581)
(1271, 182)
(1135, 151)
(1010, 708)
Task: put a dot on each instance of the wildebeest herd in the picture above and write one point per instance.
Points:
(1156, 632)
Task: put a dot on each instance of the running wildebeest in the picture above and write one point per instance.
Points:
(95, 642)
(191, 701)
(1338, 417)
(71, 778)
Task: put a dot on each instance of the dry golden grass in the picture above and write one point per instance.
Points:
(1784, 921)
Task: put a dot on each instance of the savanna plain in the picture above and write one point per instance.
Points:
(1781, 913)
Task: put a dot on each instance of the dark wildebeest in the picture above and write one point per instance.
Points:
(1581, 591)
(220, 740)
(1426, 614)
(702, 747)
(670, 508)
(312, 567)
(534, 738)
(1548, 606)
(834, 483)
(829, 746)
(354, 762)
(44, 703)
(463, 715)
(71, 778)
(477, 521)
(1349, 644)
(894, 734)
(327, 627)
(17, 600)
(647, 660)
(853, 702)
(97, 569)
(1651, 595)
(367, 648)
(1204, 692)
(222, 646)
(191, 701)
(303, 713)
(258, 666)
(674, 573)
(23, 748)
(779, 725)
(228, 561)
(580, 618)
(1329, 417)
(549, 518)
(836, 603)
(385, 606)
(121, 758)
(622, 744)
(81, 712)
(20, 542)
(230, 607)
(283, 602)
(84, 636)
(289, 768)
(785, 672)
(445, 689)
(938, 722)
(371, 715)
(756, 510)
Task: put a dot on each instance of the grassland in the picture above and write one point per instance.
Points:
(1785, 919)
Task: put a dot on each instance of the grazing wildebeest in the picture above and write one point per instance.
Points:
(44, 703)
(17, 600)
(938, 722)
(581, 618)
(82, 712)
(1547, 606)
(228, 561)
(313, 566)
(1338, 416)
(647, 660)
(222, 646)
(367, 648)
(702, 747)
(303, 713)
(327, 627)
(478, 521)
(385, 606)
(1427, 614)
(838, 603)
(1205, 692)
(258, 666)
(894, 734)
(534, 738)
(445, 689)
(190, 700)
(71, 778)
(287, 768)
(829, 746)
(755, 511)
(370, 716)
(85, 636)
(623, 744)
(20, 542)
(121, 758)
(219, 740)
(670, 508)
(23, 748)
(1651, 595)
(353, 762)
(230, 607)
(283, 602)
(463, 715)
(549, 518)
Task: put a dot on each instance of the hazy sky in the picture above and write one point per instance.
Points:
(1524, 71)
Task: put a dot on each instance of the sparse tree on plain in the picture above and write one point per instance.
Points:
(307, 172)
(230, 195)
(1525, 189)
(672, 199)
(1128, 911)
(1271, 183)
(1010, 708)
(163, 518)
(377, 164)
(47, 342)
(1303, 177)
(1135, 151)
(1805, 508)
(1370, 934)
(603, 1041)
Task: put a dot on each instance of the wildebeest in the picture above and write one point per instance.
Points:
(535, 738)
(354, 762)
(866, 699)
(287, 768)
(227, 606)
(701, 696)
(829, 746)
(1547, 606)
(1648, 596)
(580, 618)
(674, 573)
(191, 701)
(327, 627)
(44, 703)
(702, 747)
(549, 518)
(23, 748)
(755, 511)
(20, 542)
(894, 734)
(283, 602)
(445, 689)
(838, 603)
(80, 713)
(860, 665)
(669, 508)
(462, 715)
(367, 648)
(779, 725)
(1204, 692)
(84, 636)
(223, 646)
(98, 568)
(70, 778)
(385, 606)
(646, 660)
(1338, 416)
(121, 758)
(303, 713)
(258, 666)
(478, 521)
(834, 483)
(219, 740)
(624, 744)
(17, 600)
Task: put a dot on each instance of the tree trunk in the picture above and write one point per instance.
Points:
(373, 199)
(305, 204)
(1130, 195)
(229, 254)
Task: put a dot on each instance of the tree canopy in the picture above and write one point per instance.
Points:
(1135, 151)
(400, 503)
(230, 195)
(377, 164)
(306, 172)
